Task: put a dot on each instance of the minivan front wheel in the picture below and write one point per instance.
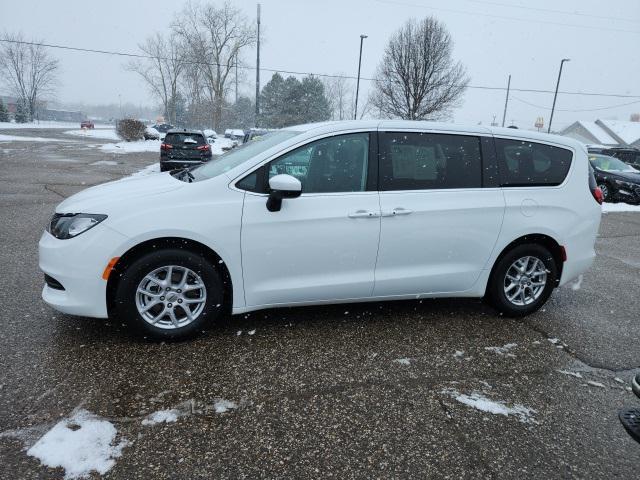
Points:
(522, 280)
(169, 294)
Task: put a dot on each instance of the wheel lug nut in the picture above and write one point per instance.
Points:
(162, 298)
(179, 300)
(179, 291)
(169, 305)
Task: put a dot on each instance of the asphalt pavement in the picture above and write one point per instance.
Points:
(380, 390)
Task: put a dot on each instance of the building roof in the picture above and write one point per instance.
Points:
(598, 133)
(628, 132)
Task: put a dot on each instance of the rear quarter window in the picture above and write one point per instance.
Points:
(522, 163)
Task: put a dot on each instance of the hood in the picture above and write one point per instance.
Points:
(633, 177)
(112, 195)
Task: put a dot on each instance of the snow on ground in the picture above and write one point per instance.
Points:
(132, 147)
(221, 405)
(403, 361)
(503, 350)
(572, 374)
(80, 444)
(105, 133)
(162, 416)
(22, 138)
(619, 207)
(41, 124)
(104, 162)
(495, 407)
(148, 170)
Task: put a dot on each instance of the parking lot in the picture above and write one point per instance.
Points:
(412, 389)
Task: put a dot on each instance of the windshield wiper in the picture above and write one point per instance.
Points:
(185, 173)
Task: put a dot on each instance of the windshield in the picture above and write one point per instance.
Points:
(610, 164)
(241, 154)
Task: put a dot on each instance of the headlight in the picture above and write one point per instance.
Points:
(622, 183)
(69, 225)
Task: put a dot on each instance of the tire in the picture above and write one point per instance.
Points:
(154, 308)
(501, 287)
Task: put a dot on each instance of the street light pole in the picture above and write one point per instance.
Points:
(555, 95)
(355, 113)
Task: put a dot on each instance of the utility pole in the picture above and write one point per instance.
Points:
(555, 95)
(506, 101)
(236, 78)
(258, 72)
(355, 112)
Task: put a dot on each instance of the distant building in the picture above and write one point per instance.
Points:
(60, 115)
(611, 133)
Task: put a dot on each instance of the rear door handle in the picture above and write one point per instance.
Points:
(397, 211)
(364, 214)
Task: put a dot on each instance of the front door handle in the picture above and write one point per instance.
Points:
(397, 211)
(364, 214)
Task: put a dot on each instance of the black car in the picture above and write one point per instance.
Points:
(163, 127)
(618, 181)
(630, 156)
(183, 148)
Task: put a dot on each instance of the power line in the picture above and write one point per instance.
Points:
(562, 12)
(504, 17)
(578, 110)
(293, 72)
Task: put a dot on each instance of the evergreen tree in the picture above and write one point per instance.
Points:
(4, 113)
(22, 115)
(291, 101)
(272, 101)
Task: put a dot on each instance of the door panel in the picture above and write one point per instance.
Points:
(438, 224)
(310, 250)
(442, 245)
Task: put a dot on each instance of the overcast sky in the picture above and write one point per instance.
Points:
(493, 38)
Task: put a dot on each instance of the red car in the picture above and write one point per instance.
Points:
(87, 124)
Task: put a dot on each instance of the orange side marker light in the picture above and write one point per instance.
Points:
(109, 268)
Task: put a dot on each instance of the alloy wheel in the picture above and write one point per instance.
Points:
(525, 280)
(171, 297)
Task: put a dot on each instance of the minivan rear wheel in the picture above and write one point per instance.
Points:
(522, 280)
(169, 294)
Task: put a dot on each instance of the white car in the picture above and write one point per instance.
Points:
(335, 212)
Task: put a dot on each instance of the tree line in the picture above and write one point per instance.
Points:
(193, 69)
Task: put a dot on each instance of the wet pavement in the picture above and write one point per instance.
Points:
(383, 390)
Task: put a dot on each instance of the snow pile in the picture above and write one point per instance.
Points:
(132, 147)
(403, 361)
(220, 144)
(619, 207)
(221, 405)
(80, 444)
(105, 133)
(484, 404)
(576, 286)
(15, 138)
(162, 416)
(503, 350)
(41, 124)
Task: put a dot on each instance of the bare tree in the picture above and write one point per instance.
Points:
(339, 93)
(417, 78)
(28, 71)
(215, 36)
(163, 70)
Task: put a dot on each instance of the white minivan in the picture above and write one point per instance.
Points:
(334, 212)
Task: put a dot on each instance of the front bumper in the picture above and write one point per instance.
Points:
(77, 264)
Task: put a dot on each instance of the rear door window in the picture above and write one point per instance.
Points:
(523, 163)
(427, 161)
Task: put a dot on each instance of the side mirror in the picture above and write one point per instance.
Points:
(282, 186)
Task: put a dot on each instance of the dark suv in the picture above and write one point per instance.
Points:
(630, 156)
(619, 182)
(183, 148)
